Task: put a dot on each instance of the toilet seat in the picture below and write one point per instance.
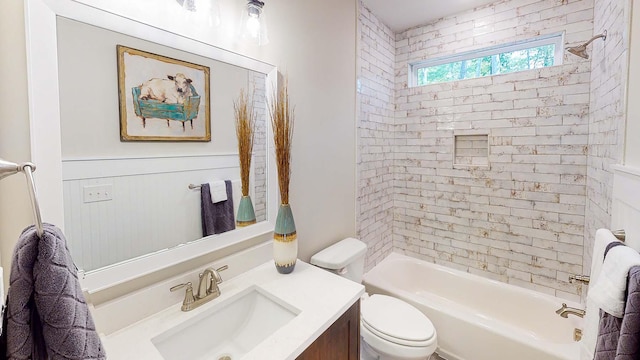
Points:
(396, 321)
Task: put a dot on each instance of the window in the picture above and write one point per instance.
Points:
(519, 56)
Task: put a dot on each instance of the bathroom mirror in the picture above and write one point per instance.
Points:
(126, 207)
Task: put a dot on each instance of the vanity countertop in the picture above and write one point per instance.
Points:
(320, 296)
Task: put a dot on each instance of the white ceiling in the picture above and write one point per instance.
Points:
(403, 14)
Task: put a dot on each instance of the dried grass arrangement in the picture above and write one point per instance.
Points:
(282, 121)
(245, 131)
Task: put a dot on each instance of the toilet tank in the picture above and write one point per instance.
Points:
(345, 258)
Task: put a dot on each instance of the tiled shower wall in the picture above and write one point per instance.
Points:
(375, 135)
(607, 119)
(259, 93)
(520, 220)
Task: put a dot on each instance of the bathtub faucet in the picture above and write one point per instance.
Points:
(564, 311)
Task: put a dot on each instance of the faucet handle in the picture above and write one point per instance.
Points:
(188, 295)
(180, 286)
(216, 273)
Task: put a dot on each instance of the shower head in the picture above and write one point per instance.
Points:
(581, 50)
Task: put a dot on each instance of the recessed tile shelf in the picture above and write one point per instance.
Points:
(470, 150)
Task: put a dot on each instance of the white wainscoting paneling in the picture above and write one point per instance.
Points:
(152, 207)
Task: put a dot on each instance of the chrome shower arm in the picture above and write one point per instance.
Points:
(603, 36)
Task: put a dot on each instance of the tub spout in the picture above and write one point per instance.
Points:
(564, 311)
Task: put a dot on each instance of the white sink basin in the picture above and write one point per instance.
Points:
(228, 330)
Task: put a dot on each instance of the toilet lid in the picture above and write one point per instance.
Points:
(396, 321)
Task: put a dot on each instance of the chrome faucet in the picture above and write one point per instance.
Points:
(209, 280)
(207, 289)
(564, 311)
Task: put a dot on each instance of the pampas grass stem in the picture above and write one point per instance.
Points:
(282, 120)
(245, 131)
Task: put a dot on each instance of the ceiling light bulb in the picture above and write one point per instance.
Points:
(253, 26)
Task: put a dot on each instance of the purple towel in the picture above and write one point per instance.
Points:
(619, 338)
(216, 218)
(629, 342)
(47, 316)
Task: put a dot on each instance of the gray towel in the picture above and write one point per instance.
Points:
(216, 218)
(629, 343)
(47, 316)
(619, 338)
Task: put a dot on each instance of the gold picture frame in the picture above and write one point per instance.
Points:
(162, 98)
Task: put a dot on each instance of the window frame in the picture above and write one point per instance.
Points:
(556, 39)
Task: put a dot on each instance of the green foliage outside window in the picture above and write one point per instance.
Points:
(503, 63)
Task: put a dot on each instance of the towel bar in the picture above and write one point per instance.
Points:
(8, 168)
(192, 186)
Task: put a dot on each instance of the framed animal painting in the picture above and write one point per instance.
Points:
(161, 98)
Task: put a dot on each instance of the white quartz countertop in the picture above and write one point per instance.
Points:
(321, 297)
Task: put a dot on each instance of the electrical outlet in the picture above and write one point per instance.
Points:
(93, 193)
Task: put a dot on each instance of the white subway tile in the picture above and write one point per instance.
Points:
(538, 121)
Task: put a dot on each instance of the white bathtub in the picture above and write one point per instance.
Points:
(478, 318)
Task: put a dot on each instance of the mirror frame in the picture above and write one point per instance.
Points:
(45, 133)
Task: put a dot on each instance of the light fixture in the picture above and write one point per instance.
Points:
(189, 5)
(208, 8)
(253, 24)
(581, 50)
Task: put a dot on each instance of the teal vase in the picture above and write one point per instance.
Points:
(285, 241)
(246, 215)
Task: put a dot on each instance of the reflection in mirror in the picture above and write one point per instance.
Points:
(124, 200)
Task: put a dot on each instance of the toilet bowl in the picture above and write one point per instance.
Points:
(395, 329)
(390, 328)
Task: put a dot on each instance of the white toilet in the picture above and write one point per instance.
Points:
(391, 329)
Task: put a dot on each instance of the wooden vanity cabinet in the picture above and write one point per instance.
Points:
(341, 341)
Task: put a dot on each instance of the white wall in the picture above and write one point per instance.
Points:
(314, 44)
(15, 209)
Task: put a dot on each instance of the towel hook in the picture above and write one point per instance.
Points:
(8, 168)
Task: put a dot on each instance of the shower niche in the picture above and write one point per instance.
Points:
(470, 150)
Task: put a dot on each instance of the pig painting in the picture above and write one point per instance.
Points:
(173, 90)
